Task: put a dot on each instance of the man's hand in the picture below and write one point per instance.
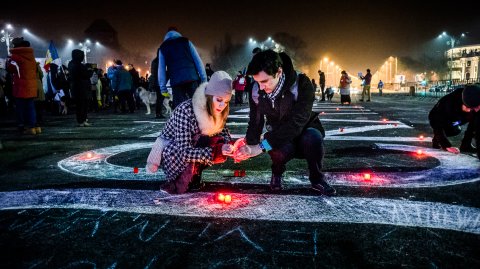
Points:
(246, 152)
(151, 168)
(453, 150)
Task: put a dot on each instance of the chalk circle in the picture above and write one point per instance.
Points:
(453, 169)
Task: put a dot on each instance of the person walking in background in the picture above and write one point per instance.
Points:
(344, 86)
(380, 88)
(185, 68)
(80, 85)
(194, 137)
(23, 68)
(153, 87)
(122, 84)
(321, 74)
(367, 79)
(208, 71)
(136, 82)
(315, 86)
(239, 84)
(39, 101)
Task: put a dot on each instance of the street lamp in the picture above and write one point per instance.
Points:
(451, 40)
(7, 37)
(85, 48)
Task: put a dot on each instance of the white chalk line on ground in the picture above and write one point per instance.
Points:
(287, 208)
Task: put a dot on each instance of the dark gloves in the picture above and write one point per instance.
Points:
(214, 140)
(217, 155)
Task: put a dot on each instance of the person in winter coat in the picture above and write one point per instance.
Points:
(366, 86)
(80, 86)
(194, 137)
(122, 85)
(185, 68)
(285, 98)
(345, 82)
(239, 84)
(453, 110)
(380, 88)
(209, 71)
(321, 75)
(153, 87)
(39, 101)
(23, 67)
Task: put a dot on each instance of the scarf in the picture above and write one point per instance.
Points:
(277, 90)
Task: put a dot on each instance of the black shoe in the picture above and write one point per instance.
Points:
(159, 117)
(276, 183)
(368, 100)
(196, 184)
(436, 144)
(324, 188)
(169, 187)
(468, 148)
(361, 100)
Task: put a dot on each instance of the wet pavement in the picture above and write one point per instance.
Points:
(79, 197)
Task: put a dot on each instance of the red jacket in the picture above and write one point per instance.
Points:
(239, 83)
(23, 68)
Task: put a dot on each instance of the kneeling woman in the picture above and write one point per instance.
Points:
(195, 136)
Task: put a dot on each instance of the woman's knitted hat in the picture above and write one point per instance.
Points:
(220, 84)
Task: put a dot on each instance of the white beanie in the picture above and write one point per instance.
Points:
(220, 84)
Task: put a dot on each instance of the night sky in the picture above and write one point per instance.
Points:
(356, 35)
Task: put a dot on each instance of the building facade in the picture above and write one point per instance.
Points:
(463, 63)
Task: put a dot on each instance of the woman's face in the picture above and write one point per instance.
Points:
(219, 104)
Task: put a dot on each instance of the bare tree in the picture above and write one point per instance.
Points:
(229, 56)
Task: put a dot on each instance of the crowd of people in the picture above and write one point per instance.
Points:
(195, 135)
(29, 92)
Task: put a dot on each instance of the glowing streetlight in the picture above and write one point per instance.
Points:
(7, 36)
(451, 40)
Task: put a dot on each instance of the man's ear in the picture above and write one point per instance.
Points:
(280, 70)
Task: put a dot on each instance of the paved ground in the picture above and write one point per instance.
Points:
(70, 198)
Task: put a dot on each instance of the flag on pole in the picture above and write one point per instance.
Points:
(51, 57)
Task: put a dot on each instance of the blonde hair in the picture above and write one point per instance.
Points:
(223, 115)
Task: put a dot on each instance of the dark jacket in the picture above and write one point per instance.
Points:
(178, 56)
(79, 76)
(122, 80)
(153, 78)
(292, 112)
(448, 113)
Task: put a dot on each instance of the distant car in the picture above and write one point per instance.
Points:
(438, 88)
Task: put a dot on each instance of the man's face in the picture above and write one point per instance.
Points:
(468, 109)
(267, 82)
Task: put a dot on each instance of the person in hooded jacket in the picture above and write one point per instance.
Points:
(194, 137)
(285, 98)
(23, 68)
(178, 55)
(452, 111)
(80, 86)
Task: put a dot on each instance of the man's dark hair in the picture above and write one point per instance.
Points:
(268, 61)
(368, 70)
(256, 50)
